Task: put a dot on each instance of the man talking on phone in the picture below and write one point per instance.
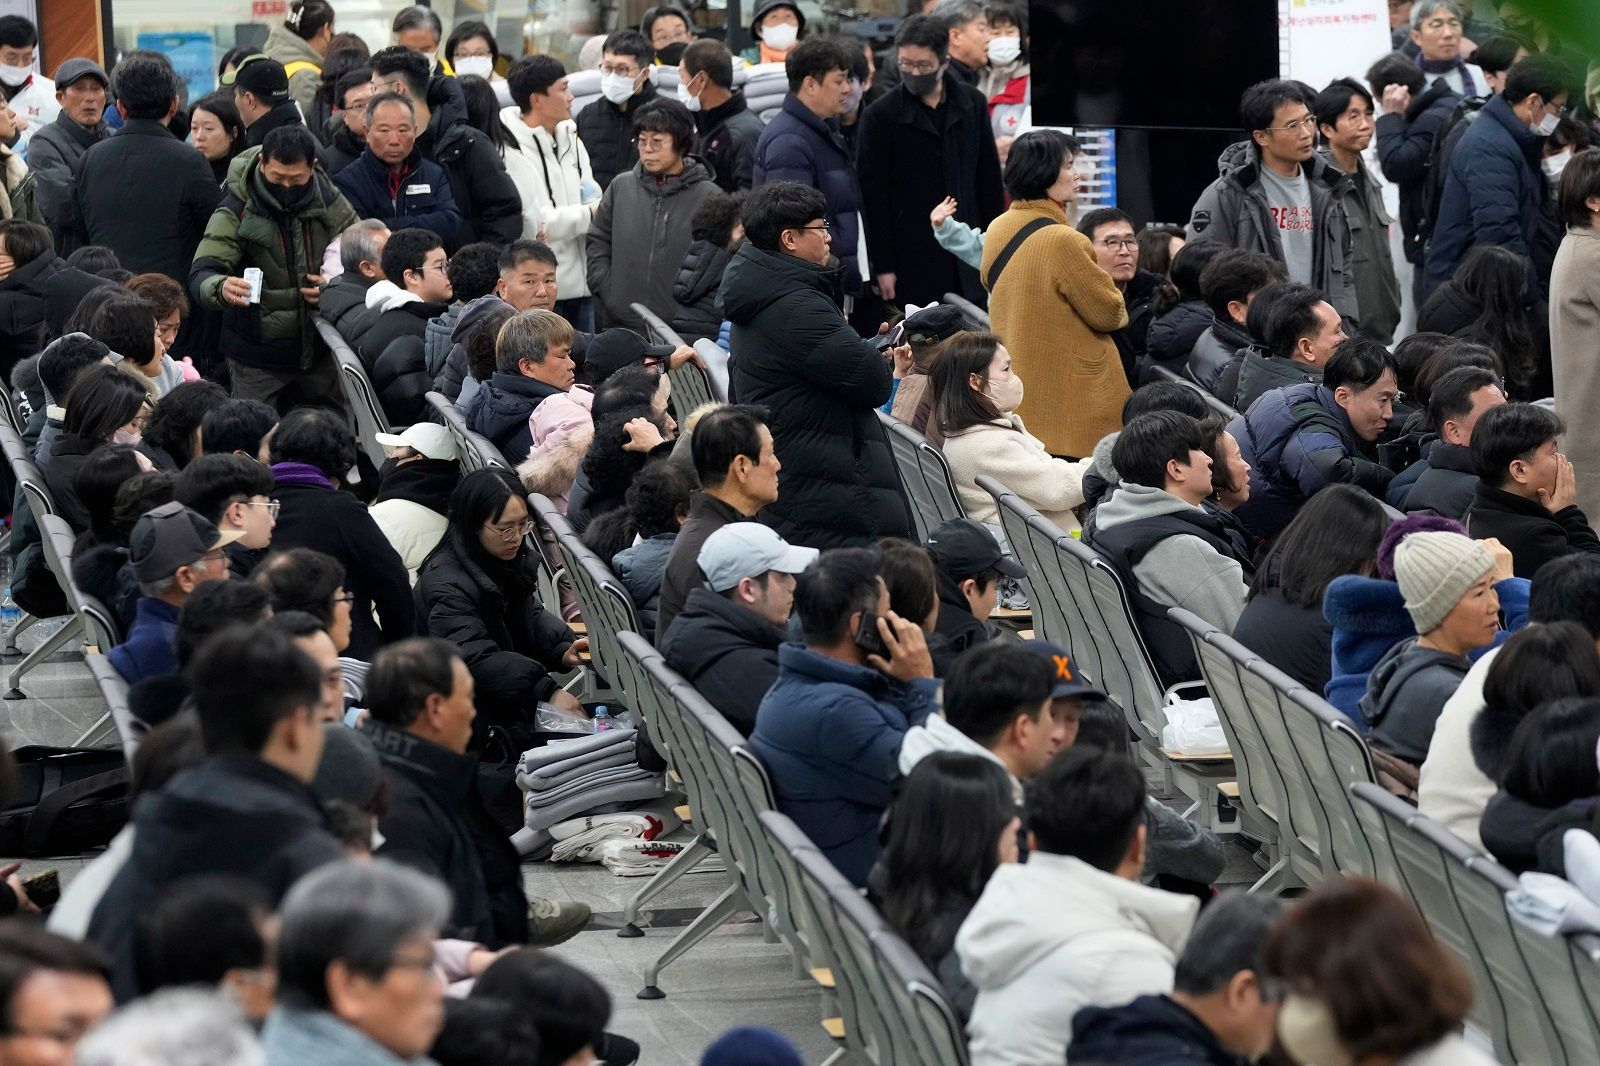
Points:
(278, 215)
(829, 730)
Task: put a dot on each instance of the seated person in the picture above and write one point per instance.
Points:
(343, 302)
(418, 289)
(303, 581)
(120, 324)
(1299, 332)
(633, 426)
(1168, 550)
(970, 564)
(312, 636)
(657, 504)
(1036, 962)
(171, 435)
(1222, 1009)
(101, 568)
(210, 608)
(913, 583)
(173, 550)
(1304, 437)
(480, 591)
(239, 427)
(212, 931)
(413, 502)
(533, 361)
(59, 366)
(1448, 584)
(403, 374)
(472, 344)
(1526, 497)
(1228, 284)
(1100, 477)
(568, 1007)
(313, 451)
(725, 640)
(975, 396)
(233, 493)
(1443, 481)
(830, 728)
(962, 808)
(420, 713)
(107, 405)
(1550, 785)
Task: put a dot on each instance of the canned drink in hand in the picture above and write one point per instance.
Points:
(252, 277)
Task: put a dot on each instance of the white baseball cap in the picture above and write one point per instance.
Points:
(427, 438)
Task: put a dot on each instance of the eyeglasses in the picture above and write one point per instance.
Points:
(439, 266)
(1307, 123)
(512, 532)
(626, 72)
(347, 598)
(272, 506)
(918, 68)
(821, 227)
(1114, 244)
(653, 144)
(216, 555)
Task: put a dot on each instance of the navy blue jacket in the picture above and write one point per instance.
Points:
(425, 199)
(1405, 144)
(1298, 441)
(830, 733)
(799, 146)
(149, 650)
(1493, 192)
(1150, 1031)
(500, 409)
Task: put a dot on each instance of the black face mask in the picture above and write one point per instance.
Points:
(920, 84)
(670, 55)
(289, 197)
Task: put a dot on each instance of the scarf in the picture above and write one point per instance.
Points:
(1445, 66)
(426, 482)
(299, 474)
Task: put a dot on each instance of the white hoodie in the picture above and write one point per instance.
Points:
(549, 173)
(1052, 935)
(385, 295)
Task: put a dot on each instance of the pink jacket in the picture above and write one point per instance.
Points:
(561, 431)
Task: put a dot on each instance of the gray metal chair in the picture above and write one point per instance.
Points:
(359, 395)
(477, 451)
(1032, 539)
(1161, 373)
(976, 316)
(114, 690)
(58, 557)
(924, 475)
(605, 605)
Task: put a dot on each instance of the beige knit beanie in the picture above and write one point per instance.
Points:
(1434, 570)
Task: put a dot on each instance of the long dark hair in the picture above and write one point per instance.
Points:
(483, 112)
(1336, 532)
(942, 847)
(103, 399)
(1492, 278)
(956, 404)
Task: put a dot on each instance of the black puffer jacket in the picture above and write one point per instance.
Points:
(402, 381)
(22, 294)
(491, 209)
(496, 621)
(727, 652)
(606, 130)
(1173, 334)
(1214, 350)
(696, 290)
(798, 357)
(343, 305)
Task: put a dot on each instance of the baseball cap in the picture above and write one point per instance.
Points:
(171, 536)
(749, 549)
(1068, 682)
(962, 547)
(76, 69)
(613, 349)
(261, 75)
(429, 438)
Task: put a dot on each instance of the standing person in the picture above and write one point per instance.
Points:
(643, 229)
(1436, 39)
(473, 52)
(1494, 189)
(551, 170)
(1575, 320)
(216, 132)
(1274, 194)
(822, 384)
(726, 130)
(418, 29)
(300, 42)
(1116, 249)
(279, 216)
(414, 262)
(801, 145)
(1007, 78)
(926, 139)
(1413, 116)
(392, 182)
(32, 96)
(261, 93)
(1049, 297)
(55, 150)
(776, 26)
(346, 131)
(143, 193)
(1345, 120)
(967, 28)
(606, 126)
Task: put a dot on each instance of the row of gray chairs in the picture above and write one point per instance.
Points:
(1161, 373)
(604, 604)
(692, 387)
(924, 476)
(359, 395)
(477, 451)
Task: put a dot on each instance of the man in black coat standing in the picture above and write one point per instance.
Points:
(606, 126)
(928, 138)
(727, 131)
(143, 193)
(1412, 116)
(799, 358)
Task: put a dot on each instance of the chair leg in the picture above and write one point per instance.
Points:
(728, 904)
(681, 863)
(52, 644)
(94, 730)
(11, 646)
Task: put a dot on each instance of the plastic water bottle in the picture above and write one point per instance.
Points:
(602, 719)
(588, 192)
(10, 618)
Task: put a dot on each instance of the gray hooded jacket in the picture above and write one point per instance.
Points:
(1405, 693)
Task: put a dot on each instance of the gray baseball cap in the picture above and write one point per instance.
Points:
(171, 536)
(749, 549)
(78, 68)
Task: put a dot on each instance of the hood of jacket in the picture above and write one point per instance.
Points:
(286, 47)
(1129, 503)
(1101, 476)
(1019, 919)
(936, 734)
(384, 295)
(1367, 605)
(1173, 332)
(245, 182)
(718, 626)
(1151, 1029)
(536, 138)
(1399, 667)
(448, 105)
(1239, 164)
(756, 279)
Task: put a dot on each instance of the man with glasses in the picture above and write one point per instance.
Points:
(417, 289)
(173, 551)
(1494, 190)
(1437, 35)
(234, 493)
(1275, 195)
(606, 126)
(1345, 117)
(926, 139)
(1116, 249)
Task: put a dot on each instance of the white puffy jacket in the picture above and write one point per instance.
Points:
(1052, 935)
(549, 173)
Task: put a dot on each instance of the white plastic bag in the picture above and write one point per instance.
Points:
(1193, 728)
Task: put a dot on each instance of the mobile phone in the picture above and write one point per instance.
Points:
(892, 338)
(43, 888)
(868, 639)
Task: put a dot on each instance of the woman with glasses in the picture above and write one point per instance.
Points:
(312, 453)
(480, 591)
(107, 404)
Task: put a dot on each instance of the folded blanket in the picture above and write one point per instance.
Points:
(577, 838)
(559, 773)
(557, 750)
(1552, 906)
(584, 783)
(616, 795)
(636, 858)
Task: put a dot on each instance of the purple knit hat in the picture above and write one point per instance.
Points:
(1398, 531)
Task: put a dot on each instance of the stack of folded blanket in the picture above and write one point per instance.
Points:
(591, 774)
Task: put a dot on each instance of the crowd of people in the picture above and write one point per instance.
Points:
(334, 666)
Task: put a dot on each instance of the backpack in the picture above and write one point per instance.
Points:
(1437, 167)
(66, 800)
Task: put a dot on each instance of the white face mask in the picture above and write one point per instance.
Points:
(14, 76)
(432, 58)
(689, 99)
(482, 66)
(1555, 164)
(616, 87)
(780, 37)
(126, 436)
(1003, 50)
(1547, 125)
